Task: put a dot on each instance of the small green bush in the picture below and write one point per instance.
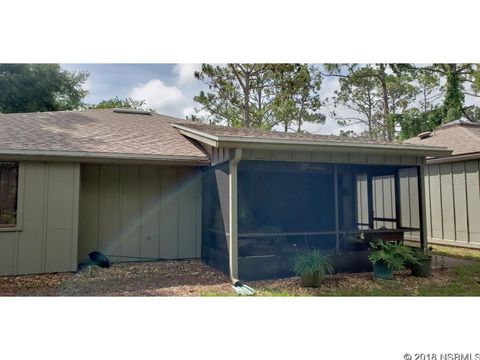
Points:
(313, 264)
(394, 255)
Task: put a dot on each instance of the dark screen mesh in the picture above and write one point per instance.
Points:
(286, 208)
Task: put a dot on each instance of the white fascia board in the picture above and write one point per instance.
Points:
(454, 158)
(310, 145)
(197, 135)
(93, 156)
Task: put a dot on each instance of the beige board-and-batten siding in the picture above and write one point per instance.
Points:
(45, 239)
(452, 202)
(140, 212)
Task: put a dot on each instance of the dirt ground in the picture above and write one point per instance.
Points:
(193, 278)
(164, 278)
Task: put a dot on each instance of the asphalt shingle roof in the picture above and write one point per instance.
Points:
(460, 136)
(224, 131)
(96, 131)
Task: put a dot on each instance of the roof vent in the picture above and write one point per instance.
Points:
(132, 111)
(424, 135)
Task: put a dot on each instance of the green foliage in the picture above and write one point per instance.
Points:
(460, 79)
(378, 93)
(358, 92)
(298, 99)
(394, 255)
(405, 97)
(414, 121)
(472, 113)
(420, 254)
(8, 217)
(454, 96)
(312, 264)
(116, 102)
(261, 95)
(426, 114)
(40, 87)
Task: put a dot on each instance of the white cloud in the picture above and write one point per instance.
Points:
(158, 96)
(185, 73)
(87, 85)
(188, 111)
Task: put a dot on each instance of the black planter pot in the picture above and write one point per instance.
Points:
(423, 269)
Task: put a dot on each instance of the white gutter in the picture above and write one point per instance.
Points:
(454, 158)
(261, 142)
(92, 156)
(233, 218)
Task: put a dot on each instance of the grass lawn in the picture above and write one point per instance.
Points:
(463, 253)
(452, 251)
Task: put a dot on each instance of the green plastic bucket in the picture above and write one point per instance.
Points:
(382, 271)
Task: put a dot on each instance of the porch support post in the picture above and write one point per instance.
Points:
(370, 200)
(421, 204)
(398, 209)
(337, 223)
(233, 216)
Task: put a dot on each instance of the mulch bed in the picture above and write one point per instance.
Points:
(187, 278)
(343, 284)
(164, 278)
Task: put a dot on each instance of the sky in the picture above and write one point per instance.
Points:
(170, 88)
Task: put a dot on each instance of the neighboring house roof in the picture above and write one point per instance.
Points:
(102, 133)
(222, 136)
(461, 136)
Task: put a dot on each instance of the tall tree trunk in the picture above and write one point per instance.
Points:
(246, 102)
(386, 111)
(369, 115)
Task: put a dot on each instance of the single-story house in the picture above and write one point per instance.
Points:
(139, 186)
(452, 196)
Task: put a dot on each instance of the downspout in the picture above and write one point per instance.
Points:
(239, 288)
(233, 217)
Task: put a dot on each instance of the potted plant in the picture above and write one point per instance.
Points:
(312, 267)
(423, 266)
(388, 257)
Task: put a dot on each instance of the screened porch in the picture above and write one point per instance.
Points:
(284, 208)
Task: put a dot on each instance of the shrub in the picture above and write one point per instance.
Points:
(313, 264)
(394, 255)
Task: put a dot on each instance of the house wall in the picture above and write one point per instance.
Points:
(140, 212)
(452, 201)
(45, 239)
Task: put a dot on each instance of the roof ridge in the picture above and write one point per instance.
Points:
(79, 111)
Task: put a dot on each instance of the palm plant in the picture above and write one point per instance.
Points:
(312, 267)
(393, 255)
(388, 257)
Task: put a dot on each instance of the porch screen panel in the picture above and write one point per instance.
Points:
(215, 216)
(285, 207)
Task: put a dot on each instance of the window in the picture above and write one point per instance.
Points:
(8, 194)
